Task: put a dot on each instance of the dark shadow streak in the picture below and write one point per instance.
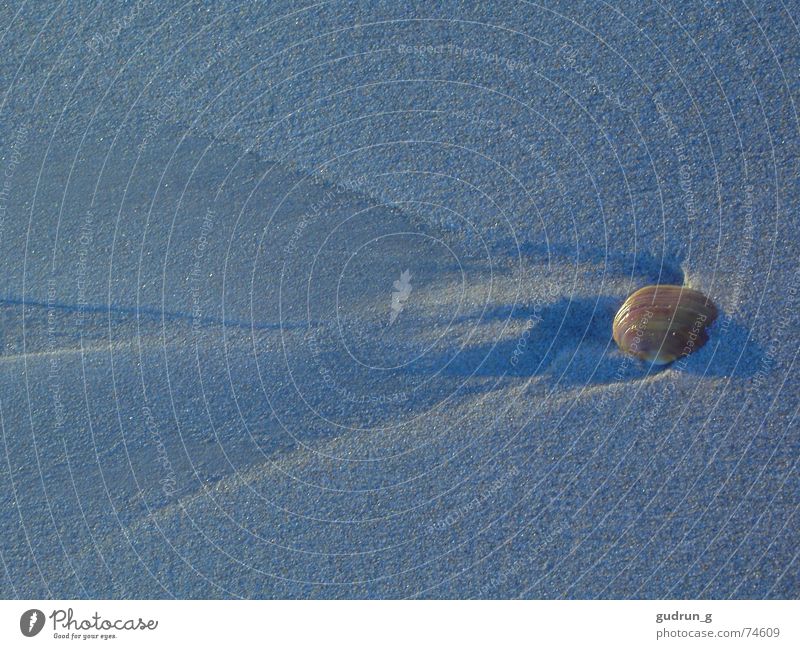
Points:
(570, 340)
(153, 313)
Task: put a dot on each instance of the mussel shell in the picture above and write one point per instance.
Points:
(663, 322)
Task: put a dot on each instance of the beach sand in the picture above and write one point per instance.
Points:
(316, 301)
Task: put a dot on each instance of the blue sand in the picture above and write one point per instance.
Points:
(217, 380)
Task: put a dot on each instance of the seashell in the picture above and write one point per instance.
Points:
(664, 322)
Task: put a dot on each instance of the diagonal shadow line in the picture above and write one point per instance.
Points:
(155, 314)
